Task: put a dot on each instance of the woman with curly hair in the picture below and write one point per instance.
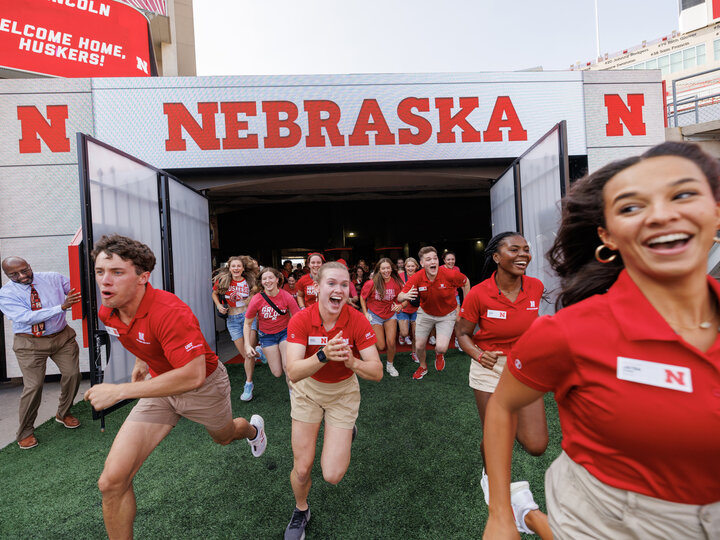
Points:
(232, 286)
(633, 358)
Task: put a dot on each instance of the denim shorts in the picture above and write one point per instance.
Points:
(377, 319)
(402, 316)
(235, 325)
(268, 340)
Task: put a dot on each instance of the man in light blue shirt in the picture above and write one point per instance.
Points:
(36, 305)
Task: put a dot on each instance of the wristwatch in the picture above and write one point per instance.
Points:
(321, 356)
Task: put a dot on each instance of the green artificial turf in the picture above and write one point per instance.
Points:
(415, 470)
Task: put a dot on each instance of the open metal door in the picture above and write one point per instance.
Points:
(121, 194)
(526, 197)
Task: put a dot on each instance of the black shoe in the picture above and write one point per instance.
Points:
(296, 528)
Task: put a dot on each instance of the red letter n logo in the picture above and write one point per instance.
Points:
(619, 113)
(672, 377)
(34, 126)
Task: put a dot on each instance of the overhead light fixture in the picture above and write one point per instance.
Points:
(351, 234)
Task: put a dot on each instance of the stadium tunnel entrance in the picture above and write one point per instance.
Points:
(352, 213)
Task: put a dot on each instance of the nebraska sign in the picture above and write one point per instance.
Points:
(231, 122)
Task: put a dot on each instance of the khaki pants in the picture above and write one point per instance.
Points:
(32, 354)
(582, 507)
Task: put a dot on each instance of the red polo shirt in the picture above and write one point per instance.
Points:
(164, 333)
(306, 328)
(309, 288)
(437, 297)
(639, 407)
(501, 321)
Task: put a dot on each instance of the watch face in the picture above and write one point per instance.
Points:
(321, 356)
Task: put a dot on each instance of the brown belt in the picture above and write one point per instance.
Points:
(43, 336)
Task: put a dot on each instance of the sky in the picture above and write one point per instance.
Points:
(271, 37)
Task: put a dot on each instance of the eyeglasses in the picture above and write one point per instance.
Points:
(24, 272)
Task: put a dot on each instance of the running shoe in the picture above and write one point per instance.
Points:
(408, 340)
(439, 361)
(432, 340)
(247, 394)
(261, 355)
(401, 340)
(259, 443)
(485, 485)
(457, 344)
(522, 502)
(390, 368)
(420, 372)
(296, 528)
(415, 358)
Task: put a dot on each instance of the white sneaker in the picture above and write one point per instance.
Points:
(259, 443)
(485, 485)
(401, 340)
(457, 345)
(390, 368)
(522, 503)
(432, 340)
(408, 340)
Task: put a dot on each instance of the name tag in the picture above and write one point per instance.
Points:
(112, 331)
(654, 374)
(422, 288)
(495, 314)
(317, 340)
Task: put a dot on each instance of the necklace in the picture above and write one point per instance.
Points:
(703, 325)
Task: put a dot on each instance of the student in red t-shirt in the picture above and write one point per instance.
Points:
(272, 319)
(176, 374)
(378, 300)
(330, 344)
(435, 287)
(234, 284)
(406, 318)
(307, 285)
(633, 358)
(287, 269)
(291, 286)
(503, 306)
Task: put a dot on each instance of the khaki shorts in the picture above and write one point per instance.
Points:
(581, 506)
(208, 405)
(338, 402)
(484, 379)
(444, 325)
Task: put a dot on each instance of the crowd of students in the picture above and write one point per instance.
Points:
(631, 357)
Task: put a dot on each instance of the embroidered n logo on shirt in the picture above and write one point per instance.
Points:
(654, 374)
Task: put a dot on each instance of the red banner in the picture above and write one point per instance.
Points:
(74, 38)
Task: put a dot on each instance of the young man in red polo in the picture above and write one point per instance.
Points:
(186, 378)
(435, 286)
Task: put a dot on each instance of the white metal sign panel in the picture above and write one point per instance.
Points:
(270, 121)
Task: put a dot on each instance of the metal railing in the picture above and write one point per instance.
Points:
(696, 108)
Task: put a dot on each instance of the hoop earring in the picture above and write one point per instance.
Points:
(611, 258)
